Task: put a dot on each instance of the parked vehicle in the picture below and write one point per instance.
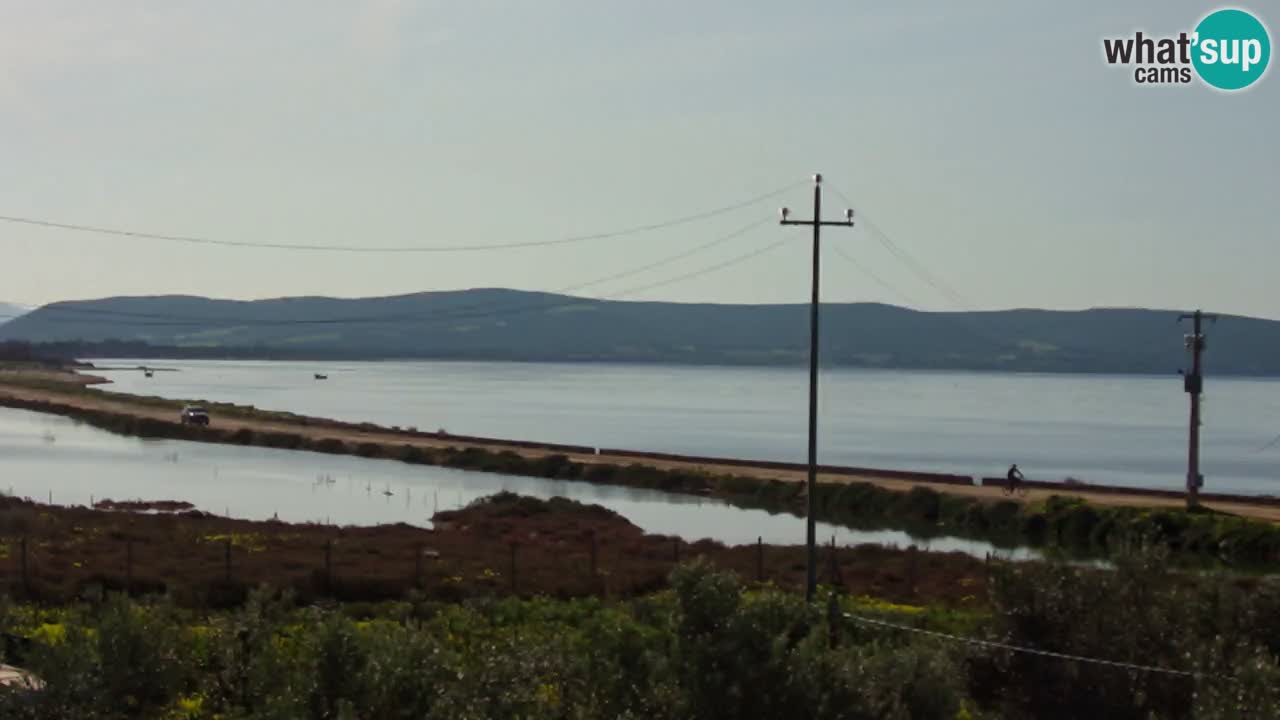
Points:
(194, 415)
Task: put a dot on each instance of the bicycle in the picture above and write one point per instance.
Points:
(1018, 489)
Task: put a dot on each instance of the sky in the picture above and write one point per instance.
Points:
(987, 140)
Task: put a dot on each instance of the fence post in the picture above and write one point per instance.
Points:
(227, 559)
(759, 559)
(834, 563)
(911, 569)
(831, 563)
(594, 558)
(514, 586)
(26, 579)
(128, 566)
(417, 565)
(833, 621)
(328, 566)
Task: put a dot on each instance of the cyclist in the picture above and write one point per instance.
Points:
(1014, 477)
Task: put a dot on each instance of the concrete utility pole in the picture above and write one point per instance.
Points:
(1193, 383)
(811, 563)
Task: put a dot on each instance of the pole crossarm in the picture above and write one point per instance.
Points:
(823, 223)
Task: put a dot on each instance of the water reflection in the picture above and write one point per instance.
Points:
(46, 456)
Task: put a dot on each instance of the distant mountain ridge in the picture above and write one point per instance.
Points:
(498, 324)
(10, 311)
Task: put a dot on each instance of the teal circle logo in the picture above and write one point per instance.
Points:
(1231, 49)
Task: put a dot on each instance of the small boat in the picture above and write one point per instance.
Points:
(320, 376)
(148, 372)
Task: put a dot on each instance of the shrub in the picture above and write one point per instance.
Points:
(332, 446)
(242, 436)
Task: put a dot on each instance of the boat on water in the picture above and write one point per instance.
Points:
(321, 376)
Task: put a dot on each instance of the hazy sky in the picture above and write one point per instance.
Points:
(987, 139)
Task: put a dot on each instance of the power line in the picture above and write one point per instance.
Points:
(900, 294)
(1030, 651)
(1274, 441)
(634, 230)
(973, 324)
(919, 269)
(707, 270)
(170, 319)
(627, 273)
(698, 273)
(486, 309)
(668, 260)
(912, 264)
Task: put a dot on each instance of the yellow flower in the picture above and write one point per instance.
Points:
(251, 542)
(548, 694)
(876, 604)
(50, 633)
(189, 708)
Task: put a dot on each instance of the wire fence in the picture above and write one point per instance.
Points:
(221, 569)
(994, 645)
(216, 561)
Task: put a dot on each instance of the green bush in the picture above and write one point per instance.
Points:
(333, 446)
(705, 650)
(283, 440)
(243, 436)
(1140, 614)
(415, 455)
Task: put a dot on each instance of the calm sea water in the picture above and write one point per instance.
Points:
(48, 457)
(1122, 430)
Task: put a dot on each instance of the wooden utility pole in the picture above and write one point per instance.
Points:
(811, 576)
(1193, 383)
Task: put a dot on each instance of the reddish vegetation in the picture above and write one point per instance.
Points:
(144, 505)
(77, 551)
(528, 521)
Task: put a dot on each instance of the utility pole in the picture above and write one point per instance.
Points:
(811, 562)
(1193, 383)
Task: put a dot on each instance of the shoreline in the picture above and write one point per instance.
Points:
(556, 548)
(1236, 530)
(174, 353)
(75, 390)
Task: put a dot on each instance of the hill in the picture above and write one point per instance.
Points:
(9, 311)
(494, 324)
